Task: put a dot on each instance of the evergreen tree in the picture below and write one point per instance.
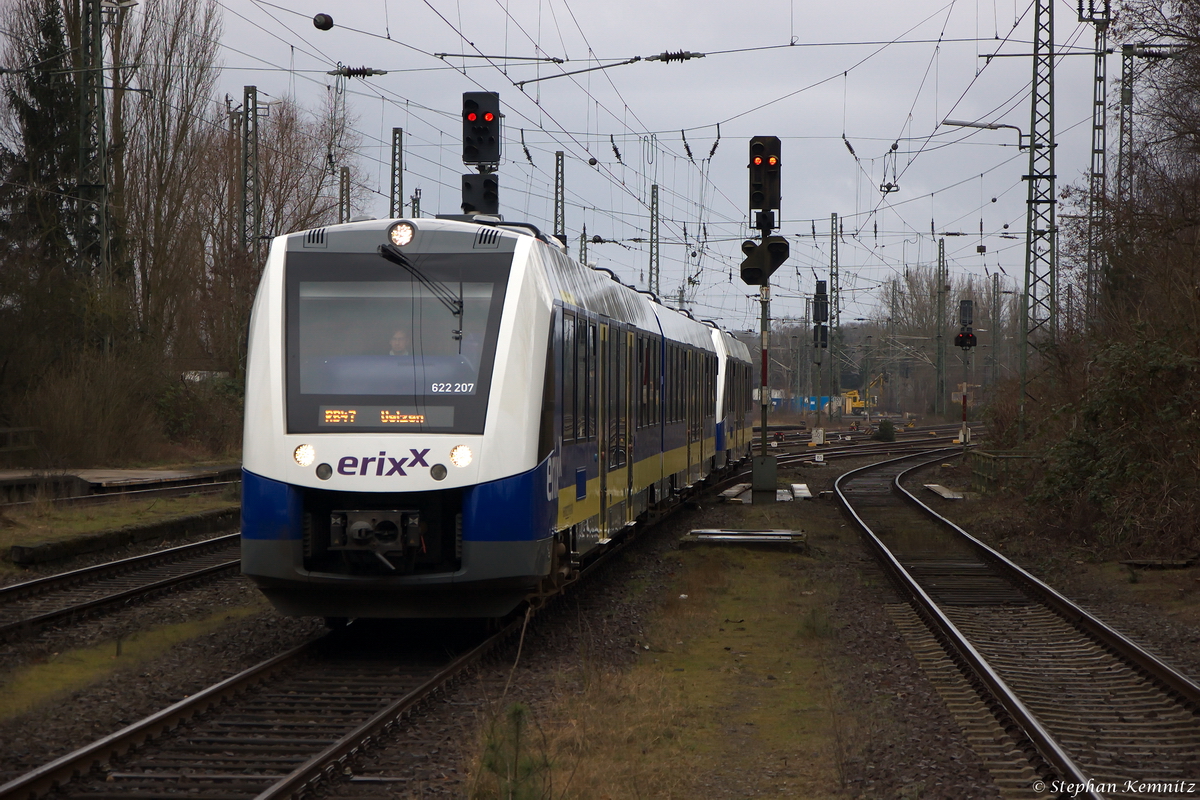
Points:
(43, 296)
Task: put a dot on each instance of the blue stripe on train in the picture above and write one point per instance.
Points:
(521, 508)
(270, 509)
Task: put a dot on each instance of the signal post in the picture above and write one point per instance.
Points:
(966, 340)
(762, 259)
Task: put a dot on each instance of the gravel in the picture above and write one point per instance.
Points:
(901, 739)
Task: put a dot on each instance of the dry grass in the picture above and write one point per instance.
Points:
(26, 688)
(44, 521)
(730, 691)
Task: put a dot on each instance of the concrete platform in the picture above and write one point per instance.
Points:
(23, 485)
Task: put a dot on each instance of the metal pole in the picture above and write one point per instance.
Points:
(344, 195)
(396, 198)
(996, 329)
(1098, 13)
(560, 198)
(1039, 315)
(834, 322)
(251, 216)
(966, 434)
(943, 276)
(817, 346)
(765, 391)
(654, 239)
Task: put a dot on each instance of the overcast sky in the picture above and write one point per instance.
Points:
(824, 77)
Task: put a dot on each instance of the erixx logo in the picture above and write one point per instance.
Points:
(351, 465)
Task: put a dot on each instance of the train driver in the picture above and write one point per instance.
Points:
(399, 344)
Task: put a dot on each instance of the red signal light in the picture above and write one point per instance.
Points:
(773, 160)
(472, 116)
(758, 161)
(488, 117)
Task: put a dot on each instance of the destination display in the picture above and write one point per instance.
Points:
(357, 416)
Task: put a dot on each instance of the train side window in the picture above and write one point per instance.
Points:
(669, 384)
(593, 388)
(677, 405)
(614, 386)
(639, 385)
(651, 378)
(656, 391)
(622, 378)
(673, 386)
(581, 382)
(568, 378)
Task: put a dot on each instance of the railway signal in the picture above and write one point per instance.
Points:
(762, 259)
(480, 193)
(966, 312)
(821, 303)
(764, 173)
(481, 127)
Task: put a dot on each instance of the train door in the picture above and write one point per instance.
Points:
(615, 451)
(695, 385)
(603, 419)
(626, 422)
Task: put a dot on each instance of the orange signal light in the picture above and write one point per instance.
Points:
(773, 160)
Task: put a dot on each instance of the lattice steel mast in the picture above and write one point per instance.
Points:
(654, 255)
(1099, 15)
(1038, 303)
(92, 187)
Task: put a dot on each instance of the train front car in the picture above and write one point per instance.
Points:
(393, 395)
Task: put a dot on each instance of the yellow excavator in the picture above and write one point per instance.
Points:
(853, 403)
(856, 404)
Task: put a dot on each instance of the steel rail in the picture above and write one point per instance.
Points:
(39, 585)
(323, 765)
(46, 778)
(1125, 648)
(1013, 706)
(65, 581)
(28, 623)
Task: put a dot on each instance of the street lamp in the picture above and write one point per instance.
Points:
(990, 126)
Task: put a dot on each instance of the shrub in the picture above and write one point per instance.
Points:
(885, 432)
(93, 410)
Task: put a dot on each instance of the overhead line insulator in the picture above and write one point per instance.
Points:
(682, 55)
(356, 72)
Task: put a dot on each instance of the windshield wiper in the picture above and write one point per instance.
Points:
(443, 293)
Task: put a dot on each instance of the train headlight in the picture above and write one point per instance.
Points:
(401, 233)
(461, 456)
(305, 455)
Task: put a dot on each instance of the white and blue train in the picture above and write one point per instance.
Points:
(444, 417)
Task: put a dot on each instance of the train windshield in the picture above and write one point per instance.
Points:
(376, 347)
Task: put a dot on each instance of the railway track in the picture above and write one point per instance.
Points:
(1100, 716)
(274, 729)
(27, 607)
(283, 727)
